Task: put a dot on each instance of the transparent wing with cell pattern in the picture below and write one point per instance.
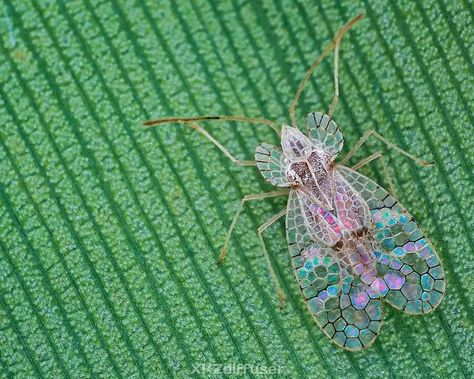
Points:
(269, 160)
(410, 273)
(348, 311)
(324, 131)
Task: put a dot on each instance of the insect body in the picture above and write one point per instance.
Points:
(352, 245)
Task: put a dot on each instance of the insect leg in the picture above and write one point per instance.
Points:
(216, 143)
(373, 157)
(333, 45)
(335, 98)
(188, 120)
(226, 152)
(259, 196)
(367, 160)
(372, 132)
(261, 229)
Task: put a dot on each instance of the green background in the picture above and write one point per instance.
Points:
(109, 233)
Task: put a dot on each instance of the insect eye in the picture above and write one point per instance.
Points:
(291, 175)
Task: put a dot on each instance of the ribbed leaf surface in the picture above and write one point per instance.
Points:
(109, 233)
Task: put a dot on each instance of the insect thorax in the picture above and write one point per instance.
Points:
(314, 176)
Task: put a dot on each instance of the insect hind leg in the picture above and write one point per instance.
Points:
(276, 282)
(259, 196)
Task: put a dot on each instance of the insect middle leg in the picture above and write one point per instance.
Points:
(372, 157)
(372, 132)
(333, 45)
(259, 196)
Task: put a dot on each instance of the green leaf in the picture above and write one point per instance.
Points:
(109, 233)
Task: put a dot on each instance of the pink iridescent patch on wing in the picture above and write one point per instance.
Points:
(327, 216)
(322, 224)
(394, 279)
(379, 286)
(349, 208)
(359, 300)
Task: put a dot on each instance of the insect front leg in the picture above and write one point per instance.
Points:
(216, 143)
(261, 229)
(372, 157)
(259, 196)
(391, 145)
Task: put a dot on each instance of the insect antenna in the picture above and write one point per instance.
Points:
(188, 120)
(334, 44)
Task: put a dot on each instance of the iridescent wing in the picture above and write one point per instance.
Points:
(348, 311)
(321, 224)
(324, 131)
(270, 163)
(351, 209)
(410, 274)
(350, 213)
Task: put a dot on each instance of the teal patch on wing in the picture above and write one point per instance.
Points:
(411, 270)
(324, 131)
(410, 274)
(270, 163)
(346, 309)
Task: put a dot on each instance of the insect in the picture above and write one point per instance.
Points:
(353, 246)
